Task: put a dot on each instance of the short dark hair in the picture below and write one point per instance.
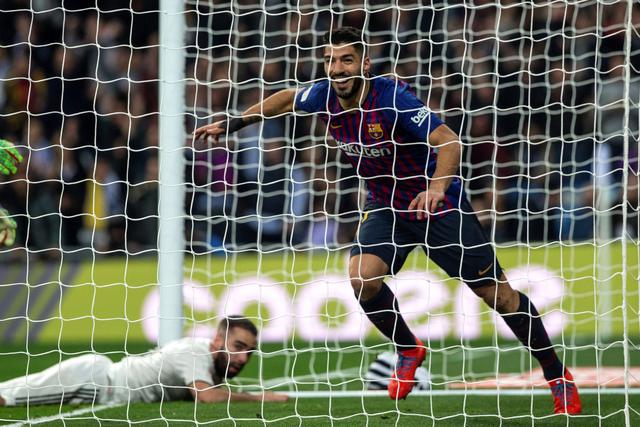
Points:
(236, 321)
(345, 35)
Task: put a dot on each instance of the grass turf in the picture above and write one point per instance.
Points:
(415, 411)
(447, 361)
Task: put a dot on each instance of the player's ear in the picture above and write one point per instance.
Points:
(218, 342)
(366, 65)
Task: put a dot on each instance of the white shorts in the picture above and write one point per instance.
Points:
(82, 379)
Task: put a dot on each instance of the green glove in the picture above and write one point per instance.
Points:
(9, 157)
(7, 228)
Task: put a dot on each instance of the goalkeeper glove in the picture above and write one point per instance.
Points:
(7, 228)
(9, 157)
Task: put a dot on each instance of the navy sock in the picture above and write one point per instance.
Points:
(384, 313)
(527, 325)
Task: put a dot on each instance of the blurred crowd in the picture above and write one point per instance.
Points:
(537, 94)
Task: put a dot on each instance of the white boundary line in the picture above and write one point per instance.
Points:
(439, 393)
(287, 381)
(70, 414)
(273, 382)
(347, 373)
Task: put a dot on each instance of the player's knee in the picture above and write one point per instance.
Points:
(499, 296)
(503, 303)
(1, 401)
(365, 282)
(365, 287)
(366, 274)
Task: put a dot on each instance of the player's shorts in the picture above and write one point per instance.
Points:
(82, 379)
(455, 242)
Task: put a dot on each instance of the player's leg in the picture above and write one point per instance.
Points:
(76, 380)
(470, 256)
(526, 323)
(523, 318)
(367, 272)
(375, 255)
(382, 248)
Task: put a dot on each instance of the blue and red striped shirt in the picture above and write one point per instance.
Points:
(385, 141)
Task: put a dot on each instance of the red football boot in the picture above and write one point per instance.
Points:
(402, 380)
(566, 399)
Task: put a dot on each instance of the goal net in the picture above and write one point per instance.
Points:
(543, 95)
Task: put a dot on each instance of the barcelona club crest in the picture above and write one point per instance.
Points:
(375, 130)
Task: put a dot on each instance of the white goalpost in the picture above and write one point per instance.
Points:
(171, 213)
(132, 235)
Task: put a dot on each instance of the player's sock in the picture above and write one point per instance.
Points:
(532, 333)
(384, 313)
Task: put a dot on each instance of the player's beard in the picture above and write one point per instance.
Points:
(348, 93)
(222, 367)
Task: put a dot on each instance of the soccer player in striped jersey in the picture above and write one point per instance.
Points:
(409, 160)
(188, 368)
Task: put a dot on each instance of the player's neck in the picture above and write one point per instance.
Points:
(357, 100)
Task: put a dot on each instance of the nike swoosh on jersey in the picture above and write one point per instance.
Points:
(335, 126)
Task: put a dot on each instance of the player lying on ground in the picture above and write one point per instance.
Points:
(189, 368)
(9, 160)
(409, 160)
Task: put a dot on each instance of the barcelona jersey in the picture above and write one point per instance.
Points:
(385, 140)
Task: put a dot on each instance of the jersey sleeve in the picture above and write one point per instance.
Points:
(188, 365)
(313, 99)
(413, 117)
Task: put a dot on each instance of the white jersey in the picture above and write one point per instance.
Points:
(162, 374)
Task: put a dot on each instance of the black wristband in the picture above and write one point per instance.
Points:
(234, 124)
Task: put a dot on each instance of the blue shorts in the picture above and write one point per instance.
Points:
(455, 242)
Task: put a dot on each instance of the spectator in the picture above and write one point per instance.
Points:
(142, 210)
(74, 177)
(276, 202)
(525, 93)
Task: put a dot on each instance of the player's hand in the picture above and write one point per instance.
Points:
(9, 157)
(212, 130)
(427, 201)
(270, 396)
(7, 228)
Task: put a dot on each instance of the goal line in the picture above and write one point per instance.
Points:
(445, 393)
(62, 416)
(493, 391)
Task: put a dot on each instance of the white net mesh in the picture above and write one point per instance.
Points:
(543, 95)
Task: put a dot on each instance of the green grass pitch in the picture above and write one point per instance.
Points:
(450, 361)
(99, 313)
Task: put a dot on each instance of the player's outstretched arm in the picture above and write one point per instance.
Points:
(9, 157)
(447, 166)
(206, 393)
(277, 104)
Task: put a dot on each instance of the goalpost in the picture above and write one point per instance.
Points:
(171, 240)
(545, 97)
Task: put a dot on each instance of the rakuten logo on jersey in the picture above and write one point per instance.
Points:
(420, 116)
(360, 150)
